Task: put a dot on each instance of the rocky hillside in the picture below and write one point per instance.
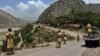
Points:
(7, 20)
(93, 7)
(63, 8)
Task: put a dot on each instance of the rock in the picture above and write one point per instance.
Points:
(63, 8)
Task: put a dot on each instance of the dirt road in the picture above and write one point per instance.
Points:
(72, 48)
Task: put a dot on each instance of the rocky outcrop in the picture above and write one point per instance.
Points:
(64, 7)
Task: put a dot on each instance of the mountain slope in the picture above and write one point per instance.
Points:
(7, 20)
(64, 8)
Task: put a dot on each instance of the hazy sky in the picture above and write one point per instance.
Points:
(26, 9)
(92, 1)
(29, 9)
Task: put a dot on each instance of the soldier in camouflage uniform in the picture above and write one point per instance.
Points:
(89, 29)
(78, 37)
(59, 39)
(10, 43)
(64, 38)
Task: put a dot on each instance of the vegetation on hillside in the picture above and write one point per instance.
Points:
(33, 35)
(86, 17)
(79, 17)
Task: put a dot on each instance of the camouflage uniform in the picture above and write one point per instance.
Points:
(89, 29)
(10, 43)
(59, 39)
(64, 38)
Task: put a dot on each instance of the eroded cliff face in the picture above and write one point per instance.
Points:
(61, 8)
(64, 7)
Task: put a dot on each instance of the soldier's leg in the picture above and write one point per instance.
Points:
(77, 39)
(12, 50)
(59, 44)
(8, 51)
(64, 41)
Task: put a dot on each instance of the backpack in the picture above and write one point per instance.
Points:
(65, 38)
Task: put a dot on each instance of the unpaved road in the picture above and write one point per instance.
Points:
(72, 48)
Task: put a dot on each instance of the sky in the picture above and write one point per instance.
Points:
(29, 9)
(92, 1)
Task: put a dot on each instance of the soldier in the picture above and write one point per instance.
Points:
(78, 37)
(59, 39)
(89, 29)
(64, 38)
(10, 43)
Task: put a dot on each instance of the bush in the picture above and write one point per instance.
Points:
(25, 33)
(39, 35)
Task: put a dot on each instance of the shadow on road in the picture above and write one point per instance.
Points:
(89, 46)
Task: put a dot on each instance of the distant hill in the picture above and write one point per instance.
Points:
(63, 8)
(8, 20)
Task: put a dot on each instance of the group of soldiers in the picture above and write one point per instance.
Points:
(61, 37)
(10, 42)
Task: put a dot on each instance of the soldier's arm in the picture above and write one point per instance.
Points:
(7, 35)
(13, 35)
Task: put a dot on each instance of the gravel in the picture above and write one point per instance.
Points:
(92, 52)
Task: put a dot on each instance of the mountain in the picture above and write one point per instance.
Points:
(63, 8)
(8, 20)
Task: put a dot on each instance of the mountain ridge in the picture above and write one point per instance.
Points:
(64, 7)
(8, 20)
